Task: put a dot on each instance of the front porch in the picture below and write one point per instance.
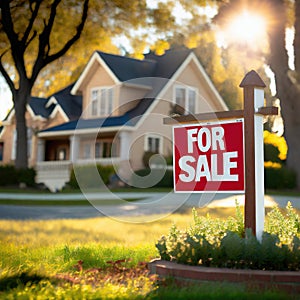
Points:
(56, 156)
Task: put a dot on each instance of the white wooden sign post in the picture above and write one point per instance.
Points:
(185, 169)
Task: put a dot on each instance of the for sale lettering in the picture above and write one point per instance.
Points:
(207, 139)
(208, 155)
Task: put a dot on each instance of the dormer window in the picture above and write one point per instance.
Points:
(185, 99)
(101, 102)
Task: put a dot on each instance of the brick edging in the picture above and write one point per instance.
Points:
(282, 280)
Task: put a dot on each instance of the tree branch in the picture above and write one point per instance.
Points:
(30, 24)
(43, 57)
(5, 74)
(17, 47)
(44, 38)
(77, 35)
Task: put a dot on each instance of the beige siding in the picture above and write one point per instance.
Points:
(129, 97)
(36, 124)
(96, 77)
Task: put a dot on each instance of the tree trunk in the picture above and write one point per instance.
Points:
(22, 97)
(287, 84)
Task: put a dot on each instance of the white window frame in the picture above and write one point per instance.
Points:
(187, 90)
(153, 136)
(103, 104)
(87, 151)
(94, 102)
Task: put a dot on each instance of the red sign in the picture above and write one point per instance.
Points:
(209, 157)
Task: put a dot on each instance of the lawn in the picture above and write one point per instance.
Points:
(97, 258)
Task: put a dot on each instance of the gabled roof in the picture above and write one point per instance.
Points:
(122, 68)
(71, 104)
(130, 118)
(126, 68)
(154, 71)
(38, 107)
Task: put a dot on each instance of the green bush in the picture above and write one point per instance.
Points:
(26, 176)
(220, 243)
(88, 176)
(271, 153)
(9, 175)
(280, 178)
(139, 179)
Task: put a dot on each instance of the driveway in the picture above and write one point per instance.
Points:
(151, 207)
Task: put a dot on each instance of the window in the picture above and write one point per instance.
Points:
(153, 144)
(185, 100)
(101, 101)
(86, 151)
(105, 149)
(29, 143)
(1, 151)
(94, 102)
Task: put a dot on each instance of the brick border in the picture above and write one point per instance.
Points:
(282, 280)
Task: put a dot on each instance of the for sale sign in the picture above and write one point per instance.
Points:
(209, 157)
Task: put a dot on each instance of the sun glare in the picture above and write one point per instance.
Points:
(246, 28)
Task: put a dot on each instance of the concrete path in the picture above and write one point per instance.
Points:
(152, 207)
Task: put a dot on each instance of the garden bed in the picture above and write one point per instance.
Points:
(288, 281)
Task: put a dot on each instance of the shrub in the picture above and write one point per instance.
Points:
(26, 176)
(9, 175)
(88, 176)
(279, 143)
(218, 243)
(279, 177)
(139, 179)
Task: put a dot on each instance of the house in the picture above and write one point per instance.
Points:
(112, 114)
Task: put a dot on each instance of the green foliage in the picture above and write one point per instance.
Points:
(221, 243)
(271, 153)
(90, 177)
(140, 179)
(9, 175)
(280, 178)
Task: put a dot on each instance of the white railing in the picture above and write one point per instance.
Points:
(54, 174)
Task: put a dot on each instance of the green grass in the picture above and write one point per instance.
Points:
(69, 259)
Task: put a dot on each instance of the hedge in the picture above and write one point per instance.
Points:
(9, 175)
(84, 176)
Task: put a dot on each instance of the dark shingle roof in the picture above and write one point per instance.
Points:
(126, 68)
(164, 66)
(71, 104)
(161, 68)
(38, 106)
(130, 118)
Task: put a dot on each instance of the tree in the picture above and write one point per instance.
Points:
(280, 14)
(21, 38)
(36, 38)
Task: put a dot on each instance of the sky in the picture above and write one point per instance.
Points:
(5, 98)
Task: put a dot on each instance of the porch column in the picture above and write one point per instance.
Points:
(125, 139)
(124, 170)
(40, 150)
(74, 148)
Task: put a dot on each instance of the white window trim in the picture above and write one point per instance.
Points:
(98, 101)
(155, 136)
(187, 88)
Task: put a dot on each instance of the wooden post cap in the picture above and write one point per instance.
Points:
(252, 79)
